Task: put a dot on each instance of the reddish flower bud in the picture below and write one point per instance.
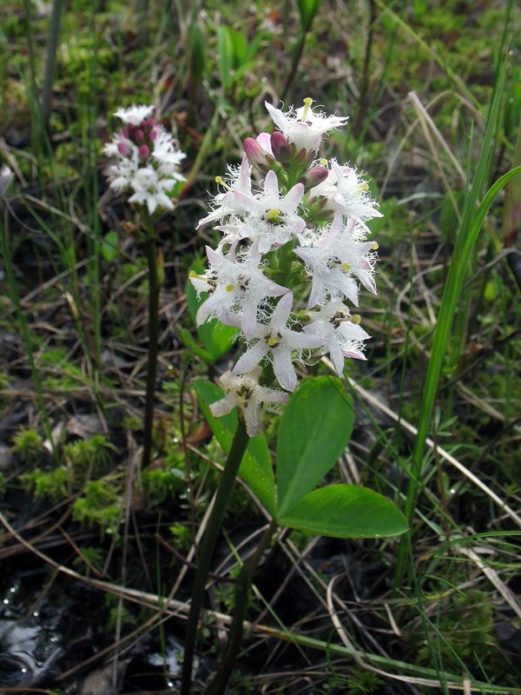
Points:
(314, 176)
(254, 151)
(144, 151)
(280, 146)
(123, 148)
(139, 135)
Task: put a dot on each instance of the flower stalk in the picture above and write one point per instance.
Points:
(154, 288)
(242, 592)
(231, 468)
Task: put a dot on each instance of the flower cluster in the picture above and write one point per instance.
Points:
(292, 255)
(147, 159)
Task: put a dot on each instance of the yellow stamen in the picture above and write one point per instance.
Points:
(221, 182)
(272, 342)
(375, 246)
(323, 162)
(307, 105)
(192, 274)
(230, 287)
(345, 267)
(356, 318)
(364, 186)
(274, 216)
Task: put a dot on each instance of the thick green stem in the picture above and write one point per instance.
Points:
(239, 444)
(153, 331)
(242, 591)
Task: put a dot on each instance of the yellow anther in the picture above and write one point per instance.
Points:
(221, 182)
(274, 216)
(364, 186)
(356, 318)
(272, 342)
(192, 274)
(230, 287)
(307, 105)
(375, 246)
(345, 267)
(323, 162)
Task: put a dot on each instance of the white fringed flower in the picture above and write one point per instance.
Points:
(277, 341)
(346, 192)
(304, 127)
(146, 160)
(340, 332)
(237, 289)
(245, 393)
(335, 260)
(134, 115)
(269, 219)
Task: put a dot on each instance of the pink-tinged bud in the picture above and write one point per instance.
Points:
(280, 146)
(253, 151)
(154, 133)
(314, 176)
(144, 151)
(123, 148)
(139, 135)
(124, 132)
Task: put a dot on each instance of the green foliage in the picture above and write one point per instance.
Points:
(307, 11)
(99, 505)
(345, 511)
(161, 483)
(110, 246)
(313, 433)
(3, 485)
(182, 536)
(28, 446)
(90, 557)
(91, 456)
(53, 485)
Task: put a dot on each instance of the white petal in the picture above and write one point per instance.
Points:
(250, 358)
(337, 357)
(276, 116)
(302, 340)
(283, 368)
(224, 406)
(281, 313)
(293, 198)
(252, 417)
(271, 185)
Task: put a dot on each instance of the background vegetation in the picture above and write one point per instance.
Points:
(97, 559)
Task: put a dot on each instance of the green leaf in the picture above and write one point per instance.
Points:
(197, 51)
(307, 10)
(110, 247)
(313, 433)
(216, 338)
(345, 511)
(256, 469)
(225, 53)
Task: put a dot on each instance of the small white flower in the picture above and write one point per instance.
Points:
(346, 192)
(335, 259)
(237, 289)
(168, 157)
(150, 190)
(269, 219)
(304, 127)
(277, 341)
(246, 393)
(341, 333)
(236, 199)
(134, 115)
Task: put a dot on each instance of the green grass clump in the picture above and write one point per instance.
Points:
(53, 485)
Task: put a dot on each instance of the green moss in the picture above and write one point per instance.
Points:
(92, 457)
(99, 505)
(28, 446)
(54, 485)
(161, 483)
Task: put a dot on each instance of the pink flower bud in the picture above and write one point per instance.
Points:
(254, 151)
(154, 133)
(280, 146)
(144, 151)
(123, 148)
(314, 176)
(139, 135)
